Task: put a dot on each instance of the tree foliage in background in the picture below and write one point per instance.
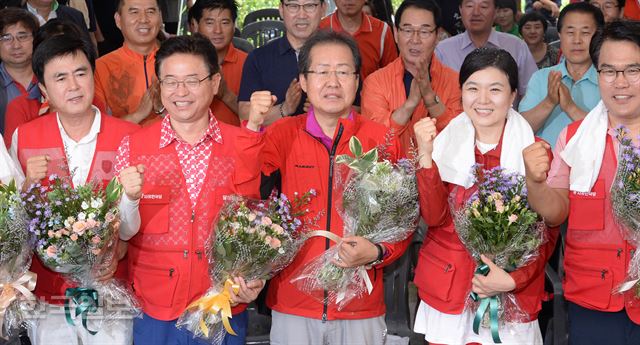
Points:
(246, 6)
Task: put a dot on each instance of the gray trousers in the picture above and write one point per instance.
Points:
(289, 329)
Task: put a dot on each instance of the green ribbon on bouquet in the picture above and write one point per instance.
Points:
(86, 301)
(490, 303)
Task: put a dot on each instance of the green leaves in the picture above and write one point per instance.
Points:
(113, 191)
(360, 162)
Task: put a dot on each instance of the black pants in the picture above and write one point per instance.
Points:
(592, 327)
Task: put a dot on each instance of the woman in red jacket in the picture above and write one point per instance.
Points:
(492, 134)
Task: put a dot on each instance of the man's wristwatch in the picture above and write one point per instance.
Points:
(378, 260)
(436, 101)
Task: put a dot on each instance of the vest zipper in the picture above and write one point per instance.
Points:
(186, 253)
(619, 253)
(199, 253)
(171, 270)
(327, 242)
(193, 216)
(146, 77)
(603, 273)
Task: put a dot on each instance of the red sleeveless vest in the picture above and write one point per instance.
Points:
(41, 136)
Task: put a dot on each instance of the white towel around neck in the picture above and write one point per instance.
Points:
(585, 150)
(454, 148)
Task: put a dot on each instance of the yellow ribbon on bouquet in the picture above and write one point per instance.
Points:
(220, 302)
(9, 292)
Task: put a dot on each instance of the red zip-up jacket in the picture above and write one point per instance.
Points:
(445, 268)
(305, 163)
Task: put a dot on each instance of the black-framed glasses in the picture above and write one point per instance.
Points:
(610, 74)
(423, 33)
(340, 74)
(308, 8)
(20, 37)
(191, 83)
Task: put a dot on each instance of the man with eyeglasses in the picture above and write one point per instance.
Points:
(612, 9)
(576, 186)
(216, 20)
(175, 174)
(273, 67)
(416, 85)
(566, 92)
(303, 150)
(478, 17)
(17, 27)
(374, 36)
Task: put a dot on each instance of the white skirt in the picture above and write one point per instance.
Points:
(457, 329)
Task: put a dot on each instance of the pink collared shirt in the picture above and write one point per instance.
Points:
(313, 127)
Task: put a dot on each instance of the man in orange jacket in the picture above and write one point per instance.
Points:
(576, 186)
(303, 150)
(415, 85)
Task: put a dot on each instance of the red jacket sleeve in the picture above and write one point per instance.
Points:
(434, 206)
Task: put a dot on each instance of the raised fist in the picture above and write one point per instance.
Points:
(132, 179)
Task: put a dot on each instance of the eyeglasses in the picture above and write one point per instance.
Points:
(191, 83)
(609, 75)
(606, 6)
(423, 33)
(20, 37)
(308, 8)
(341, 75)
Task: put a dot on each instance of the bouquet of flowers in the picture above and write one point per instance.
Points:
(498, 222)
(380, 203)
(16, 282)
(252, 239)
(76, 232)
(625, 202)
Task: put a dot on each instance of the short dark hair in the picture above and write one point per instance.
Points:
(12, 16)
(510, 4)
(56, 27)
(581, 7)
(195, 44)
(427, 5)
(326, 37)
(195, 12)
(483, 58)
(618, 30)
(58, 46)
(282, 1)
(621, 3)
(533, 16)
(121, 4)
(461, 1)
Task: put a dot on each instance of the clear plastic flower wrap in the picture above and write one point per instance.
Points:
(16, 282)
(252, 239)
(76, 232)
(625, 202)
(380, 203)
(498, 222)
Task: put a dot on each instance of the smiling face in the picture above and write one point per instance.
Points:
(330, 95)
(68, 84)
(486, 98)
(413, 47)
(621, 97)
(533, 32)
(576, 33)
(187, 104)
(505, 17)
(139, 21)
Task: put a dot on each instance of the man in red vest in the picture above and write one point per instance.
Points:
(576, 186)
(79, 141)
(175, 174)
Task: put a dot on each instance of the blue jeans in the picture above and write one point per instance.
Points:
(592, 327)
(149, 331)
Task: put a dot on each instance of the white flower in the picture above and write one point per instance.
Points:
(92, 215)
(281, 250)
(84, 205)
(96, 203)
(82, 216)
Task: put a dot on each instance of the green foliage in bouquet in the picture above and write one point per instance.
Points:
(13, 225)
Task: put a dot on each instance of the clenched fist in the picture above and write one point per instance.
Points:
(425, 132)
(132, 179)
(536, 161)
(36, 169)
(260, 104)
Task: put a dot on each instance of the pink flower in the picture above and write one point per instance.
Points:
(512, 219)
(499, 205)
(79, 227)
(51, 251)
(96, 239)
(109, 217)
(267, 240)
(74, 237)
(252, 217)
(266, 221)
(277, 228)
(58, 234)
(51, 233)
(275, 243)
(91, 224)
(96, 251)
(250, 230)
